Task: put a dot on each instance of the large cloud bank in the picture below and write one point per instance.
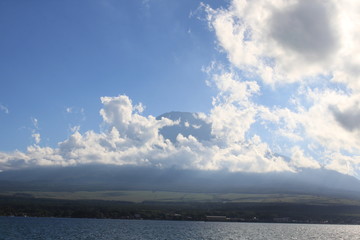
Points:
(310, 47)
(306, 46)
(132, 139)
(288, 40)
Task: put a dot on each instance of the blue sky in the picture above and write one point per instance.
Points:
(67, 54)
(272, 77)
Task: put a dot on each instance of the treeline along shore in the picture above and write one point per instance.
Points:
(27, 206)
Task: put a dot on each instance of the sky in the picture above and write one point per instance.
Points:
(83, 81)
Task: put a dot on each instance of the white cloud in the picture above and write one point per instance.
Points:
(120, 113)
(286, 41)
(348, 117)
(343, 163)
(315, 123)
(4, 109)
(308, 45)
(132, 139)
(233, 112)
(35, 134)
(312, 44)
(35, 123)
(75, 115)
(74, 129)
(299, 160)
(37, 137)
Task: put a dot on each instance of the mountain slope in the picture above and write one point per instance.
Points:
(107, 177)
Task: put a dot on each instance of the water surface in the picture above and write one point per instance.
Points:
(64, 228)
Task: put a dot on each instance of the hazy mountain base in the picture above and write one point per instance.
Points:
(151, 193)
(319, 182)
(173, 197)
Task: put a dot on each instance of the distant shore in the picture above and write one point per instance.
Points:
(270, 212)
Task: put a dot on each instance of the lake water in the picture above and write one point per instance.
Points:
(62, 228)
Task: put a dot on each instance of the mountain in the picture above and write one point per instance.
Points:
(109, 177)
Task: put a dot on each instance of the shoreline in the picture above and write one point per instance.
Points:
(275, 212)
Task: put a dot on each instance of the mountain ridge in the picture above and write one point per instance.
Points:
(111, 177)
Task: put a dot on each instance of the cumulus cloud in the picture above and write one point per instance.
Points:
(130, 138)
(298, 159)
(321, 123)
(286, 41)
(349, 118)
(343, 163)
(120, 113)
(308, 45)
(305, 28)
(233, 114)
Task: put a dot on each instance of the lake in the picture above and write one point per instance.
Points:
(63, 228)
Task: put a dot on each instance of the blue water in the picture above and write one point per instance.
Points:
(61, 228)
